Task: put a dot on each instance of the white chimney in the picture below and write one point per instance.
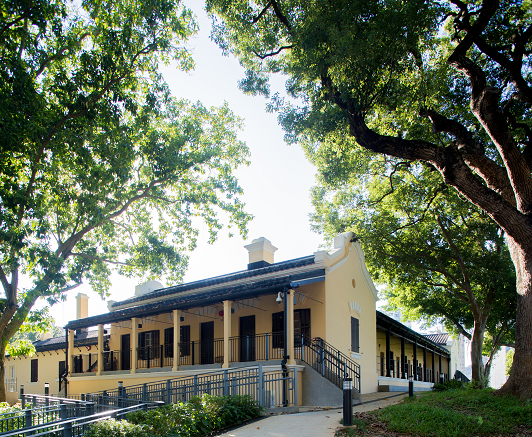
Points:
(82, 306)
(261, 253)
(147, 287)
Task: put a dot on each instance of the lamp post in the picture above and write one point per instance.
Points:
(348, 402)
(410, 385)
(120, 394)
(47, 392)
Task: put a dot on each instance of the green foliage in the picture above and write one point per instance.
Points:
(440, 258)
(20, 347)
(116, 428)
(199, 416)
(392, 96)
(101, 168)
(5, 410)
(451, 384)
(508, 362)
(456, 413)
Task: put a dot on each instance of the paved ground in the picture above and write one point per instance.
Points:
(316, 422)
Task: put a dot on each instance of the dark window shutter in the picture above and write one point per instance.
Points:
(355, 340)
(169, 342)
(278, 329)
(34, 370)
(185, 340)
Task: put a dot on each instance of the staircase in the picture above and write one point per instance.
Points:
(328, 361)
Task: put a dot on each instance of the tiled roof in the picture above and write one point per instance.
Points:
(395, 327)
(241, 291)
(438, 338)
(277, 267)
(82, 339)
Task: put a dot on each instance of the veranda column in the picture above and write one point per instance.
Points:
(415, 361)
(134, 342)
(71, 351)
(177, 335)
(100, 350)
(387, 361)
(290, 336)
(227, 333)
(403, 370)
(425, 364)
(433, 367)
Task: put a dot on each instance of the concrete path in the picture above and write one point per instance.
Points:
(316, 422)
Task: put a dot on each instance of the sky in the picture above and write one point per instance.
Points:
(276, 184)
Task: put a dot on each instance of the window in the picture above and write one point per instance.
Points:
(185, 341)
(278, 330)
(34, 370)
(355, 340)
(301, 327)
(148, 344)
(169, 342)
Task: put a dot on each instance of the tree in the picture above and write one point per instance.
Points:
(101, 170)
(438, 256)
(447, 84)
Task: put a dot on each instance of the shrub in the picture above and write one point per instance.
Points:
(115, 428)
(451, 384)
(199, 416)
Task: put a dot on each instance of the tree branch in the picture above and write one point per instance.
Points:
(280, 16)
(495, 176)
(96, 258)
(57, 55)
(258, 17)
(267, 55)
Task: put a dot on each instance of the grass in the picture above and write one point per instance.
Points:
(453, 413)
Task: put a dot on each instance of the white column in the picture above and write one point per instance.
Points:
(227, 333)
(290, 336)
(177, 335)
(134, 341)
(100, 350)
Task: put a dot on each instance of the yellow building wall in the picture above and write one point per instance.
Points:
(349, 292)
(48, 371)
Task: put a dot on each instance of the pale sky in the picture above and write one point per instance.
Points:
(276, 184)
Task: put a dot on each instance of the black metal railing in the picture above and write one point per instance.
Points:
(65, 417)
(84, 363)
(328, 361)
(201, 352)
(258, 347)
(264, 387)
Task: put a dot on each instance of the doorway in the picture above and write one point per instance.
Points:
(125, 352)
(247, 338)
(207, 343)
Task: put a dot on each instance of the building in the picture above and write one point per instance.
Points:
(325, 301)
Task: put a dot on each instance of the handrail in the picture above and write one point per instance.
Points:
(198, 375)
(330, 362)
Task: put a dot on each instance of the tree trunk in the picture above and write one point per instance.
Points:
(477, 342)
(2, 372)
(520, 381)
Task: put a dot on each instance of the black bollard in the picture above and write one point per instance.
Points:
(410, 386)
(348, 402)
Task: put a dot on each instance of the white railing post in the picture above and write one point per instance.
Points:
(261, 386)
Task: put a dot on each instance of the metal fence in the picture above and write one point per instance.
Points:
(270, 389)
(421, 373)
(61, 421)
